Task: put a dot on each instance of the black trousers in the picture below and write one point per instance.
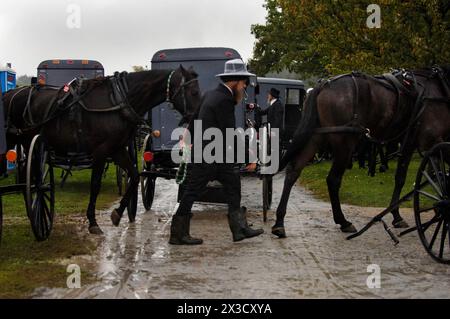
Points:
(198, 176)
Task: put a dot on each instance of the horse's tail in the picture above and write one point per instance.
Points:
(305, 129)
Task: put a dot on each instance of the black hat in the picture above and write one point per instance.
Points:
(275, 93)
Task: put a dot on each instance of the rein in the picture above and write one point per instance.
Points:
(180, 89)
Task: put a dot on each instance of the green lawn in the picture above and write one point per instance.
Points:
(26, 264)
(357, 187)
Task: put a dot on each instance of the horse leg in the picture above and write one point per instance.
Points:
(293, 171)
(122, 158)
(96, 181)
(400, 178)
(342, 155)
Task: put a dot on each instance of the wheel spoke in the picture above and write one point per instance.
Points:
(436, 232)
(444, 235)
(437, 173)
(48, 213)
(444, 175)
(430, 196)
(44, 220)
(432, 183)
(427, 225)
(424, 210)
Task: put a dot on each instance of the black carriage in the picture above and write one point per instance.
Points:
(159, 144)
(37, 187)
(55, 74)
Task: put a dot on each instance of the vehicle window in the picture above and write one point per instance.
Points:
(293, 96)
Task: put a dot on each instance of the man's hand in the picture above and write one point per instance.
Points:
(251, 167)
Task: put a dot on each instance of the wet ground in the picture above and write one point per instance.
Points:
(315, 261)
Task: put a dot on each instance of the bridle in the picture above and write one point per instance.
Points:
(180, 89)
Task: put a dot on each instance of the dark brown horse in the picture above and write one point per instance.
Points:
(340, 110)
(98, 118)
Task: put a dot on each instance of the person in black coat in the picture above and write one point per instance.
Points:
(216, 111)
(275, 111)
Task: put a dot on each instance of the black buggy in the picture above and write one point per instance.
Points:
(38, 188)
(158, 145)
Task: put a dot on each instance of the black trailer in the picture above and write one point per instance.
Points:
(59, 72)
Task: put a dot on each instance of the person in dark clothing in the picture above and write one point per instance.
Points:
(216, 111)
(275, 111)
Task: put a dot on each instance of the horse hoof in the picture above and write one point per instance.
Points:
(115, 217)
(95, 230)
(348, 228)
(400, 224)
(279, 231)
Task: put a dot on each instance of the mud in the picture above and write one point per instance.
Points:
(315, 261)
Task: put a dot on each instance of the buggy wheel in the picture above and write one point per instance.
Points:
(148, 191)
(267, 195)
(147, 183)
(132, 204)
(40, 189)
(432, 202)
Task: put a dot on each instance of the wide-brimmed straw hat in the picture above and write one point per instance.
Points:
(235, 68)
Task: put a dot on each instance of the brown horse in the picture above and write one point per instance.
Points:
(98, 118)
(340, 110)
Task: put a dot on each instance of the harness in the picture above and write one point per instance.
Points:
(74, 94)
(181, 89)
(404, 83)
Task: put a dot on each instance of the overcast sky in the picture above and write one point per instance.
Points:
(121, 33)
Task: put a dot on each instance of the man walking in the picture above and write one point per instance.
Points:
(216, 111)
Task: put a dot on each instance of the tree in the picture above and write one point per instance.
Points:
(138, 68)
(329, 36)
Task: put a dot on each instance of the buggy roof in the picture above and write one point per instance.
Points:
(287, 82)
(195, 54)
(70, 64)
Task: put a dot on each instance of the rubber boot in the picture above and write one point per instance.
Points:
(239, 226)
(179, 231)
(248, 231)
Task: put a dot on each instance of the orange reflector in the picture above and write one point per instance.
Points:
(11, 156)
(156, 133)
(85, 62)
(148, 156)
(55, 61)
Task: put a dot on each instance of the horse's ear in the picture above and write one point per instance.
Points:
(182, 69)
(192, 71)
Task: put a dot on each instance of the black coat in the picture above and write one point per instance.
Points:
(216, 111)
(275, 114)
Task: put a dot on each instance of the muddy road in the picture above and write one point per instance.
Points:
(315, 261)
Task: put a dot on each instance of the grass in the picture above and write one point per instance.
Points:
(26, 264)
(357, 187)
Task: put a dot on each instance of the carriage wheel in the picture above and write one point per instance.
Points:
(147, 183)
(148, 191)
(267, 195)
(40, 189)
(132, 204)
(432, 202)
